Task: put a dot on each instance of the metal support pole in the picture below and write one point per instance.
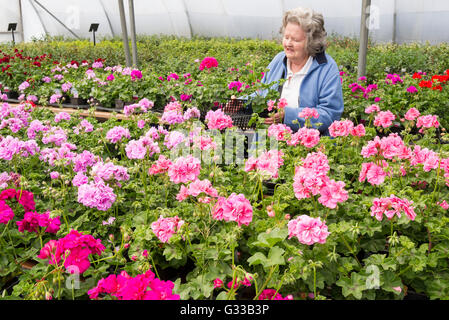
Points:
(361, 70)
(54, 17)
(21, 21)
(124, 32)
(132, 22)
(188, 18)
(13, 40)
(394, 22)
(39, 16)
(107, 18)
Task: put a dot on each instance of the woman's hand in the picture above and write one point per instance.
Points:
(278, 117)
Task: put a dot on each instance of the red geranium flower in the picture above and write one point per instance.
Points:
(425, 84)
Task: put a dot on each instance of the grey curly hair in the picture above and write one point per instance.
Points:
(313, 25)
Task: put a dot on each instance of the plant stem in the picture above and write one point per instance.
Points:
(350, 249)
(266, 282)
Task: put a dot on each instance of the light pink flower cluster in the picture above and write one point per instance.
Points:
(341, 128)
(32, 221)
(387, 147)
(332, 193)
(63, 153)
(428, 158)
(66, 86)
(55, 135)
(281, 104)
(308, 230)
(196, 188)
(23, 86)
(155, 133)
(5, 178)
(308, 113)
(137, 149)
(307, 137)
(427, 121)
(74, 249)
(174, 138)
(392, 206)
(280, 132)
(55, 98)
(34, 127)
(62, 116)
(234, 208)
(218, 120)
(267, 164)
(384, 119)
(83, 160)
(161, 166)
(80, 179)
(204, 143)
(372, 108)
(14, 117)
(108, 171)
(311, 179)
(165, 228)
(412, 114)
(117, 133)
(172, 117)
(269, 294)
(10, 146)
(358, 131)
(184, 169)
(192, 113)
(96, 194)
(144, 105)
(373, 173)
(142, 287)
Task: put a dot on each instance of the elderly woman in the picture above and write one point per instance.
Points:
(312, 76)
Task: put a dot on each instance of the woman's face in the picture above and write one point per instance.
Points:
(294, 43)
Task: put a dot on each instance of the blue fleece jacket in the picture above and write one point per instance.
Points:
(320, 89)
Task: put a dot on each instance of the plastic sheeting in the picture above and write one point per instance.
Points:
(398, 20)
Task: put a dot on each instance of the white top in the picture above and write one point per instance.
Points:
(290, 90)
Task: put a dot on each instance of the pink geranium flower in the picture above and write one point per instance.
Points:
(308, 113)
(341, 128)
(165, 228)
(218, 120)
(308, 230)
(373, 173)
(234, 208)
(384, 119)
(184, 169)
(412, 114)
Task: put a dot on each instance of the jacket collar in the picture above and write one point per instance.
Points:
(320, 59)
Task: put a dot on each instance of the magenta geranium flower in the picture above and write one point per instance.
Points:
(208, 62)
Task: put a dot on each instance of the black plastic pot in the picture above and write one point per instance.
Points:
(14, 95)
(78, 101)
(120, 104)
